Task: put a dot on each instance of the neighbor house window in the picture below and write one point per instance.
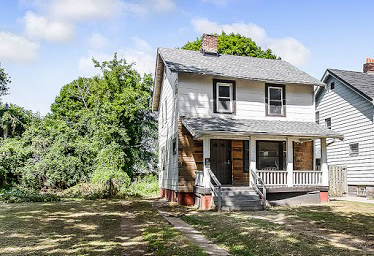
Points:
(224, 96)
(332, 86)
(353, 149)
(328, 123)
(163, 158)
(271, 155)
(246, 156)
(275, 100)
(317, 117)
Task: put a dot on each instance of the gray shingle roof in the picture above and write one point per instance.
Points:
(359, 80)
(267, 70)
(199, 126)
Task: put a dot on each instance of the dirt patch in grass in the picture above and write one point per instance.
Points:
(102, 227)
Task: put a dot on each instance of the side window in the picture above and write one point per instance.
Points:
(224, 96)
(165, 117)
(332, 86)
(163, 159)
(275, 100)
(328, 123)
(317, 117)
(353, 149)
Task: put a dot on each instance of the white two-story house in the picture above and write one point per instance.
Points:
(237, 130)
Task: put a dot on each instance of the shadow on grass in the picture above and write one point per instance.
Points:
(341, 218)
(246, 236)
(63, 228)
(103, 227)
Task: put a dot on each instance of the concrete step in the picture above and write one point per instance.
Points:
(239, 197)
(242, 208)
(239, 193)
(241, 202)
(235, 188)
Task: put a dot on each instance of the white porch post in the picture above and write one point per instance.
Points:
(289, 162)
(324, 167)
(206, 154)
(252, 156)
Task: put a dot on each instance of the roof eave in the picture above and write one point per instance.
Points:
(200, 134)
(249, 78)
(157, 81)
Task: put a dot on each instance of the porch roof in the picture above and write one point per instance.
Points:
(199, 126)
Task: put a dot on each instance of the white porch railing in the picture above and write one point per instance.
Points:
(274, 178)
(307, 178)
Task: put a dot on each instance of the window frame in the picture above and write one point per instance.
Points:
(354, 153)
(332, 86)
(267, 99)
(216, 84)
(326, 123)
(281, 145)
(317, 117)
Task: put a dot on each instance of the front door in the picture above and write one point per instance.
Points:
(220, 160)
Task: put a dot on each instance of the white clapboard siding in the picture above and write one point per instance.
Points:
(351, 115)
(196, 99)
(168, 178)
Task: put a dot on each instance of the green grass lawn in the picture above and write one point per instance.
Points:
(245, 235)
(100, 227)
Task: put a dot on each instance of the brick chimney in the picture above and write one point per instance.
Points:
(369, 66)
(209, 44)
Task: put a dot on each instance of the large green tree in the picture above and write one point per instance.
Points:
(234, 44)
(99, 128)
(4, 81)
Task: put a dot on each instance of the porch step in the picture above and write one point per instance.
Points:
(239, 199)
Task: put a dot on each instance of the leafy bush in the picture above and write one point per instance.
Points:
(21, 195)
(146, 187)
(89, 191)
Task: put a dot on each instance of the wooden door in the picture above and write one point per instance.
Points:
(220, 160)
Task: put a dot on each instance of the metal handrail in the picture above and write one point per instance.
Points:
(256, 179)
(214, 188)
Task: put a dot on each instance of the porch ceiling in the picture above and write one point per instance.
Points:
(199, 126)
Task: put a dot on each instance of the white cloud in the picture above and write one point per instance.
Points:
(39, 27)
(287, 48)
(98, 41)
(84, 9)
(140, 53)
(16, 48)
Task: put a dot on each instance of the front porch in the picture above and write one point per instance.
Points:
(273, 159)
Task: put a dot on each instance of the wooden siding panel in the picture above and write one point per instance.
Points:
(303, 155)
(238, 177)
(190, 158)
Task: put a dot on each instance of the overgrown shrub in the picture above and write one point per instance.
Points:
(146, 187)
(21, 195)
(87, 190)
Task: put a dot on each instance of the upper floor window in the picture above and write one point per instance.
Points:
(224, 96)
(353, 149)
(317, 117)
(275, 100)
(332, 86)
(328, 123)
(165, 117)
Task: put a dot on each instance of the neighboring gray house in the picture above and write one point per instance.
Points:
(235, 120)
(346, 106)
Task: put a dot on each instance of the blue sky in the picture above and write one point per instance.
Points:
(45, 44)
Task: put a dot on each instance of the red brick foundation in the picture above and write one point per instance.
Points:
(324, 197)
(181, 197)
(170, 195)
(186, 198)
(206, 202)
